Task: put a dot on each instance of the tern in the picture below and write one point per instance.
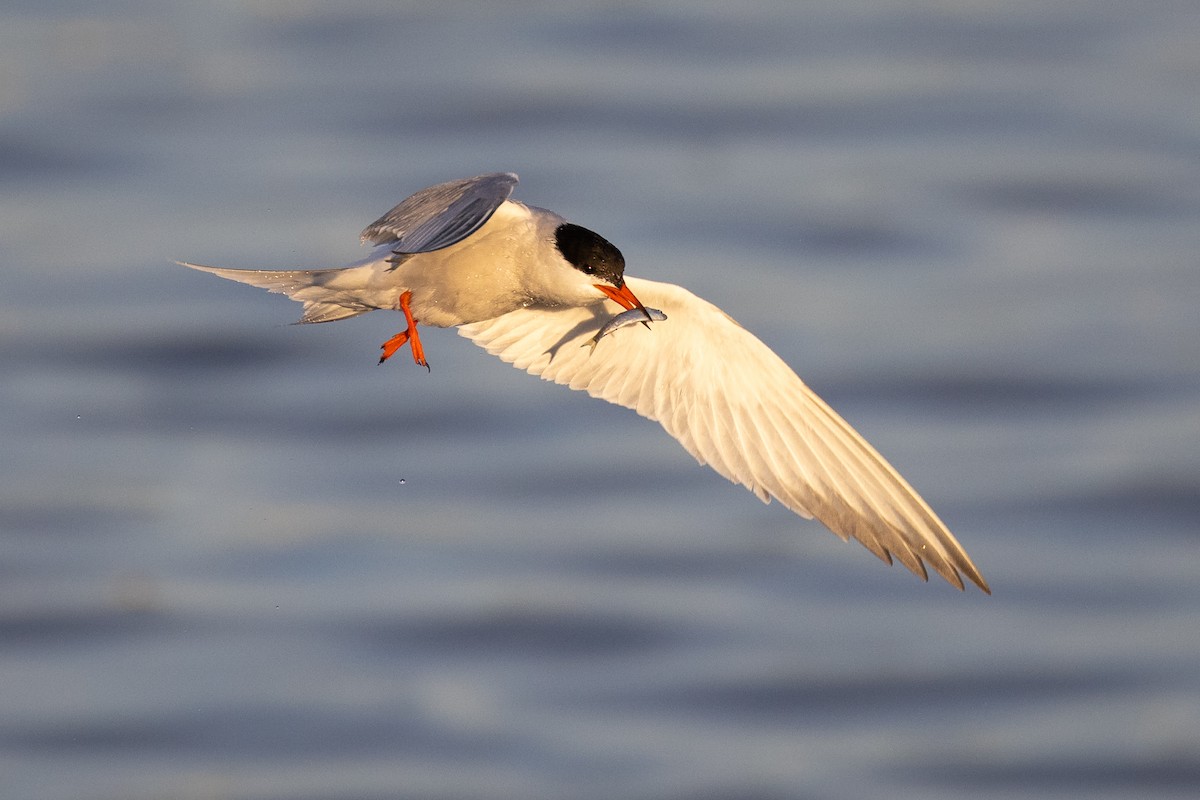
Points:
(531, 288)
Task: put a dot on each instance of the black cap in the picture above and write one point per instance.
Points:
(590, 253)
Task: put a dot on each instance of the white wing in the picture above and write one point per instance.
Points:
(736, 406)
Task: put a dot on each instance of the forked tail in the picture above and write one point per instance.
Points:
(327, 294)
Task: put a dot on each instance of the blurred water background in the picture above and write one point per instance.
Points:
(238, 560)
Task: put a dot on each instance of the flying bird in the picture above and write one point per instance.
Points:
(532, 288)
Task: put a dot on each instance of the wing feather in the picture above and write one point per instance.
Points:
(439, 216)
(737, 407)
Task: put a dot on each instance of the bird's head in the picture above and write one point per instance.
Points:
(599, 259)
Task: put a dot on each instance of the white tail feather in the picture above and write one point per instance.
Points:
(326, 293)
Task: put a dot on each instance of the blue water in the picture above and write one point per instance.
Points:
(240, 561)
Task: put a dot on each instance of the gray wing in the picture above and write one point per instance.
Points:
(441, 215)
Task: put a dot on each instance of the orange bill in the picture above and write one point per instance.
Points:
(622, 297)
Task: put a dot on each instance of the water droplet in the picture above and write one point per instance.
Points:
(402, 481)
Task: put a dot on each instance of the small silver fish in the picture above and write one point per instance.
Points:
(631, 317)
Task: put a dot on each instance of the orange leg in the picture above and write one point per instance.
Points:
(410, 334)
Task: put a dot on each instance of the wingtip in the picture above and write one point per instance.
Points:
(969, 571)
(972, 574)
(954, 574)
(201, 267)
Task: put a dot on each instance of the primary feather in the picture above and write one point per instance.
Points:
(737, 407)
